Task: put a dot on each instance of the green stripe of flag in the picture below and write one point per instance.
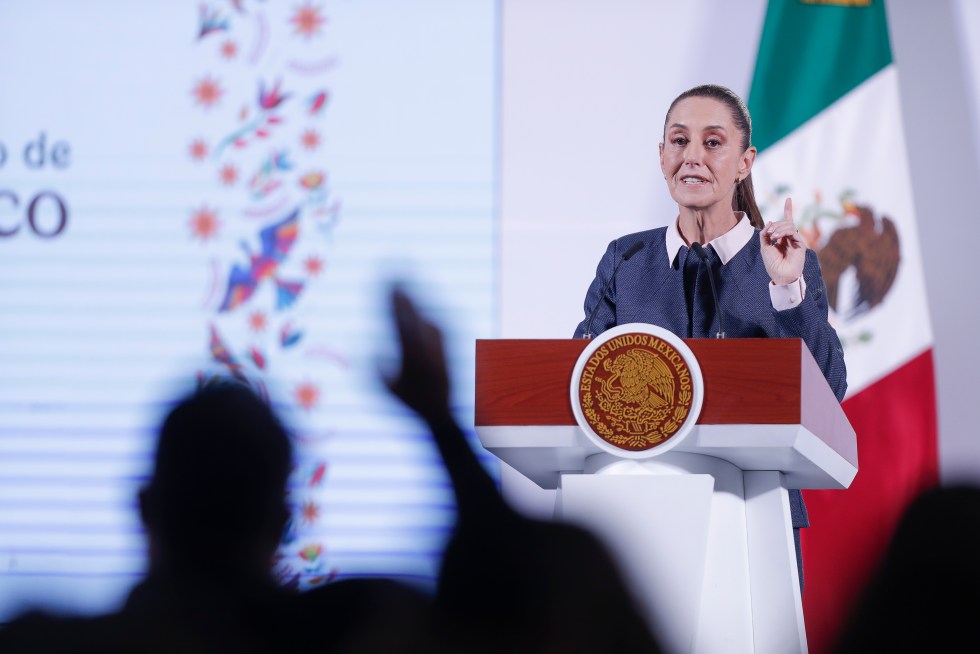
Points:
(810, 55)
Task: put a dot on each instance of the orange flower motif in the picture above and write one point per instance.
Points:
(313, 265)
(307, 395)
(229, 49)
(228, 174)
(310, 512)
(204, 224)
(308, 20)
(198, 149)
(257, 321)
(207, 92)
(310, 139)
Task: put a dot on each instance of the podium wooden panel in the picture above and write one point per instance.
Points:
(746, 381)
(719, 576)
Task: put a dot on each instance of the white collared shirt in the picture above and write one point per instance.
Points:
(726, 246)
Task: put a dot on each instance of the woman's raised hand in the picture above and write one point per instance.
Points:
(783, 249)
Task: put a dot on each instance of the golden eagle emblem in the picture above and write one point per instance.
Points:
(871, 248)
(859, 253)
(635, 391)
(638, 377)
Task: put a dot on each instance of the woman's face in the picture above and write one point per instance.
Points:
(702, 156)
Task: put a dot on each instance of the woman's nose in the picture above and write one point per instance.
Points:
(693, 153)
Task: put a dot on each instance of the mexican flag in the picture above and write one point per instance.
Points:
(828, 125)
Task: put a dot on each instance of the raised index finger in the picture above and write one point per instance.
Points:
(788, 210)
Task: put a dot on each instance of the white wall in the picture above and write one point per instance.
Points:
(586, 85)
(936, 46)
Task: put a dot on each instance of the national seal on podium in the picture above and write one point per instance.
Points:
(637, 390)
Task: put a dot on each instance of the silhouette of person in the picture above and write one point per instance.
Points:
(214, 512)
(215, 509)
(925, 594)
(507, 583)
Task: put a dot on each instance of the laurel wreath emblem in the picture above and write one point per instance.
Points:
(636, 400)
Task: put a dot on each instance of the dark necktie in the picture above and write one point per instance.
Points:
(697, 291)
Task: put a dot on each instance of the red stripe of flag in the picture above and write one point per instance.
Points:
(895, 422)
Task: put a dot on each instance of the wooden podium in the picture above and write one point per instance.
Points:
(702, 532)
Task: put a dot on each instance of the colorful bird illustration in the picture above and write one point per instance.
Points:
(211, 21)
(276, 242)
(269, 100)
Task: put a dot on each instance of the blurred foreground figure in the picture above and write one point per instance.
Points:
(215, 509)
(925, 596)
(508, 583)
(214, 512)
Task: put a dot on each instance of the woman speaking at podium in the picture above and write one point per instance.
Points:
(717, 269)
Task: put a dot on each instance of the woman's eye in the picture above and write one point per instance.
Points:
(679, 140)
(712, 143)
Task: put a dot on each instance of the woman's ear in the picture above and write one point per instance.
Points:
(745, 164)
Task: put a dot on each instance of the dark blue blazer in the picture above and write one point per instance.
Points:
(650, 289)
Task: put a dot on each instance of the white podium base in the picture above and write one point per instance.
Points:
(706, 547)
